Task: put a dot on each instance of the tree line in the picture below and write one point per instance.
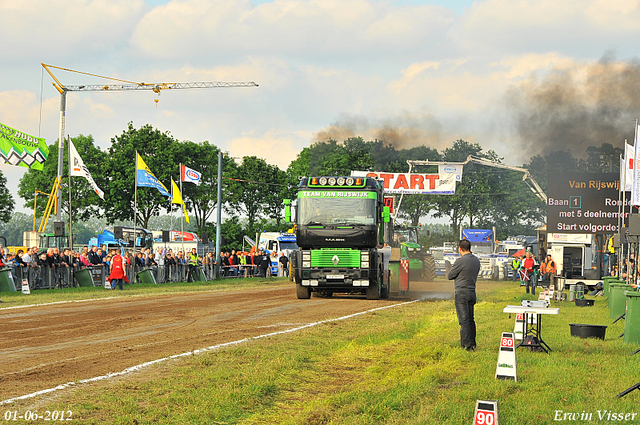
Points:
(253, 190)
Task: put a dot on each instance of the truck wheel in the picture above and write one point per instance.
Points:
(303, 292)
(374, 290)
(384, 293)
(429, 268)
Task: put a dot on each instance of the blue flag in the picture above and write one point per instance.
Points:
(145, 177)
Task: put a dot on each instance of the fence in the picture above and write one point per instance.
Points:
(51, 277)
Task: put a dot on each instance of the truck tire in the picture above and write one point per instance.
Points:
(374, 290)
(303, 292)
(384, 293)
(429, 268)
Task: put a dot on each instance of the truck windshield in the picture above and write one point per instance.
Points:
(288, 246)
(343, 210)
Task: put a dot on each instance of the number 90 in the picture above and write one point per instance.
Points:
(483, 418)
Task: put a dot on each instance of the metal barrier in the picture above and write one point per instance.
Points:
(52, 277)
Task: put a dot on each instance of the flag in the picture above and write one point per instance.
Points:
(77, 168)
(628, 166)
(21, 149)
(177, 199)
(145, 177)
(190, 175)
(635, 190)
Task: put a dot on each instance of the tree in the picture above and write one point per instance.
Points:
(6, 200)
(203, 198)
(464, 202)
(258, 189)
(85, 202)
(158, 150)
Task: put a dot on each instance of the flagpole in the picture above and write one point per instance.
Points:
(70, 221)
(622, 197)
(182, 216)
(135, 205)
(171, 213)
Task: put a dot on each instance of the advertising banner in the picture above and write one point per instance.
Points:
(412, 183)
(20, 149)
(583, 203)
(451, 168)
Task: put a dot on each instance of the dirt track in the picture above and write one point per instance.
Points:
(45, 346)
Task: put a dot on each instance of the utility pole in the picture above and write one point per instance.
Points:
(219, 224)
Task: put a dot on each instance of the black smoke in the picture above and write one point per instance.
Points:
(571, 109)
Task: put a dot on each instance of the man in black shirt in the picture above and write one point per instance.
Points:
(465, 272)
(284, 261)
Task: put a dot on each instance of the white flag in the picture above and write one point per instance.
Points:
(77, 168)
(628, 167)
(190, 175)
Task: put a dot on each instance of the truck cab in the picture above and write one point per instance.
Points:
(275, 244)
(339, 226)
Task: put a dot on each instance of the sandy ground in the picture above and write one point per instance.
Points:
(45, 346)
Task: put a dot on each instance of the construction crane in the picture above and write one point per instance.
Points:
(528, 180)
(125, 86)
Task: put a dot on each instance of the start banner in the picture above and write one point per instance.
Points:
(413, 183)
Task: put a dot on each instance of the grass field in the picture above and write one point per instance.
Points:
(401, 365)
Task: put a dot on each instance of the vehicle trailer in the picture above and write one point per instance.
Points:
(339, 227)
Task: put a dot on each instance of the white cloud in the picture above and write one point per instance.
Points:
(51, 29)
(277, 147)
(290, 27)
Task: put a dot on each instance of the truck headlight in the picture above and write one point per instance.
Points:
(364, 256)
(306, 264)
(364, 264)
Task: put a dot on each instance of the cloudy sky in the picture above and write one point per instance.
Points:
(520, 77)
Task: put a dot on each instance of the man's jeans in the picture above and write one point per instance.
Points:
(464, 301)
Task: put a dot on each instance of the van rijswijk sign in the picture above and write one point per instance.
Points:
(583, 203)
(412, 183)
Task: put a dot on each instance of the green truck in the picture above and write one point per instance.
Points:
(340, 233)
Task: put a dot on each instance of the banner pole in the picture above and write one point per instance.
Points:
(70, 209)
(135, 205)
(182, 218)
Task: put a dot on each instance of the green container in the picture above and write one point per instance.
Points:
(609, 280)
(84, 277)
(617, 300)
(6, 281)
(632, 318)
(145, 276)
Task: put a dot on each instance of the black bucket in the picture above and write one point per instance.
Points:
(588, 331)
(584, 302)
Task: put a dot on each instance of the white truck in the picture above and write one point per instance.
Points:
(575, 258)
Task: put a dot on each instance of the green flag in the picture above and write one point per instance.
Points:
(21, 149)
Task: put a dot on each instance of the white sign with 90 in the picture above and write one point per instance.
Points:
(486, 413)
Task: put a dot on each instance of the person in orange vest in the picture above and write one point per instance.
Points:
(548, 269)
(118, 274)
